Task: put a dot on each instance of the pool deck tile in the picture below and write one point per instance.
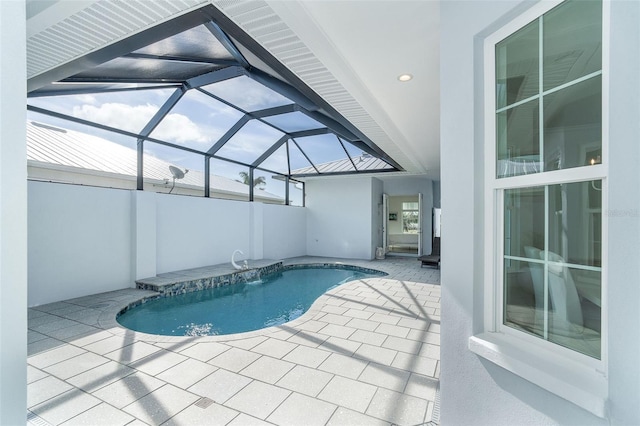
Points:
(366, 352)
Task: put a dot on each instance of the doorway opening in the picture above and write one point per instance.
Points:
(403, 225)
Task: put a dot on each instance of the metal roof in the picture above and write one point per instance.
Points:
(49, 145)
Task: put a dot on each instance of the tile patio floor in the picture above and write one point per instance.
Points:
(366, 353)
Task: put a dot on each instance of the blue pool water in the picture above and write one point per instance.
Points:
(276, 299)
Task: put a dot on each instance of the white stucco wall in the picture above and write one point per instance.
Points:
(476, 391)
(339, 218)
(284, 232)
(195, 231)
(79, 241)
(13, 215)
(86, 240)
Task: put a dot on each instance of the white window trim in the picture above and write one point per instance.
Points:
(573, 376)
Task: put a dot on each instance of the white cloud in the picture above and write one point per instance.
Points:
(176, 128)
(180, 129)
(120, 116)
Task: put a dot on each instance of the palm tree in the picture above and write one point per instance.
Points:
(259, 181)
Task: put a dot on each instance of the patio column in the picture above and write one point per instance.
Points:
(13, 214)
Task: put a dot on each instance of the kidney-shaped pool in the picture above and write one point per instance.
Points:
(275, 299)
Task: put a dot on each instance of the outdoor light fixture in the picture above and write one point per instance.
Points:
(405, 77)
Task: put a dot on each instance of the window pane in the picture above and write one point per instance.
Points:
(296, 193)
(197, 121)
(293, 122)
(572, 42)
(326, 153)
(575, 316)
(171, 170)
(251, 141)
(523, 221)
(517, 70)
(552, 284)
(247, 94)
(66, 152)
(228, 180)
(518, 139)
(277, 161)
(271, 188)
(410, 222)
(409, 206)
(575, 217)
(196, 43)
(572, 124)
(524, 296)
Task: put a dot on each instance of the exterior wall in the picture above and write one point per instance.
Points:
(339, 218)
(285, 231)
(376, 215)
(476, 391)
(79, 241)
(13, 215)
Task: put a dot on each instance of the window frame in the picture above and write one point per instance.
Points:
(576, 377)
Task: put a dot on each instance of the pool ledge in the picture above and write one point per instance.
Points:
(188, 280)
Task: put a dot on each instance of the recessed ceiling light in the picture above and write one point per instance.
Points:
(405, 77)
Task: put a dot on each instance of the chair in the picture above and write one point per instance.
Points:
(432, 259)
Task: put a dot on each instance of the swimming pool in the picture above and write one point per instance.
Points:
(277, 298)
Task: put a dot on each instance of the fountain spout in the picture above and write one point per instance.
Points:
(233, 262)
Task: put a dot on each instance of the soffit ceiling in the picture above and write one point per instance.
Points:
(352, 63)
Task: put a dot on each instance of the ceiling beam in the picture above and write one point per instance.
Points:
(215, 76)
(225, 138)
(187, 59)
(268, 112)
(270, 151)
(227, 43)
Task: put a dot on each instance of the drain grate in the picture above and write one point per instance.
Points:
(35, 420)
(203, 402)
(435, 417)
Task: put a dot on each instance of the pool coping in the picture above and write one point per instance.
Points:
(108, 318)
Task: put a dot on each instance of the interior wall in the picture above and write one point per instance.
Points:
(78, 241)
(339, 218)
(13, 215)
(488, 393)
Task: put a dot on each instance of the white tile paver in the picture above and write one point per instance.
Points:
(258, 399)
(385, 376)
(267, 369)
(343, 365)
(55, 356)
(346, 417)
(220, 385)
(205, 351)
(302, 410)
(397, 408)
(213, 415)
(160, 405)
(274, 347)
(375, 354)
(100, 415)
(76, 365)
(44, 389)
(186, 373)
(234, 359)
(304, 355)
(128, 389)
(305, 380)
(348, 393)
(65, 406)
